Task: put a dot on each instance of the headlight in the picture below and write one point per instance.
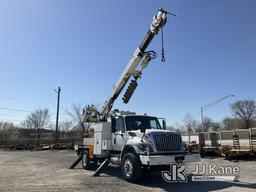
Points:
(144, 147)
(184, 146)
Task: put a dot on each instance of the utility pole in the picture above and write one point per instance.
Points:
(57, 115)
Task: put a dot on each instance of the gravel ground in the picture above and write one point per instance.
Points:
(48, 171)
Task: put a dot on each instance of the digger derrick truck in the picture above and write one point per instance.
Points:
(135, 142)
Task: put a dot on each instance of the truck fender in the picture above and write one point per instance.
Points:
(129, 149)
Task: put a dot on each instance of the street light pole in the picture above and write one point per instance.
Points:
(202, 118)
(209, 106)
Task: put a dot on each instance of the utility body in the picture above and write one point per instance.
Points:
(135, 142)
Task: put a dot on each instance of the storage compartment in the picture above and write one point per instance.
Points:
(102, 138)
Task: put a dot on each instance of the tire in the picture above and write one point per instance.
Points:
(86, 160)
(131, 167)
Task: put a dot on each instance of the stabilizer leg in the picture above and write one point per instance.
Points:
(98, 171)
(76, 162)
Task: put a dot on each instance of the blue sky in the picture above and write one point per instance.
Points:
(84, 45)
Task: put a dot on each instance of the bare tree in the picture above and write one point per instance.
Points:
(66, 125)
(76, 113)
(246, 110)
(208, 124)
(179, 128)
(190, 123)
(232, 123)
(170, 128)
(8, 132)
(216, 126)
(37, 120)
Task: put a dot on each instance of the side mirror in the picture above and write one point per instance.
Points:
(164, 124)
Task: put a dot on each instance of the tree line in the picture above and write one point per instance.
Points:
(37, 126)
(243, 117)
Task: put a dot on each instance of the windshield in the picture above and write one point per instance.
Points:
(141, 122)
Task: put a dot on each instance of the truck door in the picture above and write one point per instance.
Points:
(119, 136)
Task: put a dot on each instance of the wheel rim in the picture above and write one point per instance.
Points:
(84, 159)
(128, 168)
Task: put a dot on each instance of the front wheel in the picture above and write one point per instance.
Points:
(131, 167)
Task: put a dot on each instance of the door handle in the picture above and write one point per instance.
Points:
(121, 134)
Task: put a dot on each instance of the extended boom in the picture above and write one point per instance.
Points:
(140, 56)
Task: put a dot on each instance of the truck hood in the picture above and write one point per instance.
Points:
(137, 135)
(148, 132)
(158, 139)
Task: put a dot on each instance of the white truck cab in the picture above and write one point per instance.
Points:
(135, 142)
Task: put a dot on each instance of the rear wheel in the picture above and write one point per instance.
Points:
(86, 160)
(131, 167)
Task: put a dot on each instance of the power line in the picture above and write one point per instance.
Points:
(12, 116)
(24, 116)
(12, 109)
(24, 101)
(10, 120)
(20, 110)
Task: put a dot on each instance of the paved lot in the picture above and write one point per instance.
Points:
(48, 171)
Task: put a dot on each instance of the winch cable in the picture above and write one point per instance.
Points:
(162, 40)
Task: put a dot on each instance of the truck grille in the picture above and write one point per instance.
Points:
(167, 142)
